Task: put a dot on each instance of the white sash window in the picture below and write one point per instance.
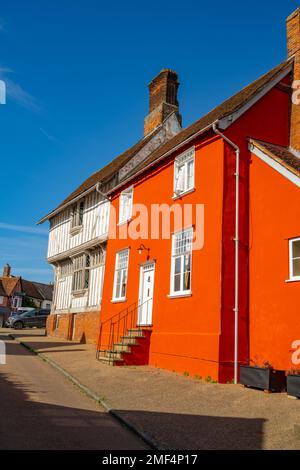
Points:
(294, 245)
(181, 262)
(126, 198)
(184, 174)
(121, 273)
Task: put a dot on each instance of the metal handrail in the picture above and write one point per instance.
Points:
(118, 324)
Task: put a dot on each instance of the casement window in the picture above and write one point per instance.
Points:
(294, 249)
(126, 198)
(66, 268)
(121, 274)
(77, 214)
(97, 258)
(181, 262)
(81, 273)
(184, 178)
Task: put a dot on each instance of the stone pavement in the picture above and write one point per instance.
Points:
(174, 411)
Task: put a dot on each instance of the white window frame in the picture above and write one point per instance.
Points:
(182, 161)
(174, 256)
(77, 213)
(291, 259)
(125, 211)
(117, 297)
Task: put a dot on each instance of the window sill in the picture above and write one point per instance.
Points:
(293, 280)
(184, 193)
(124, 222)
(117, 301)
(177, 296)
(75, 230)
(79, 293)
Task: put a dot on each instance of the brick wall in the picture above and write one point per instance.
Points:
(83, 327)
(293, 45)
(87, 327)
(162, 99)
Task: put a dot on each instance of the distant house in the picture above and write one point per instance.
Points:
(16, 292)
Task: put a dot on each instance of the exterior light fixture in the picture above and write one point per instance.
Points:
(142, 247)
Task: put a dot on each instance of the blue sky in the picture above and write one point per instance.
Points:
(77, 75)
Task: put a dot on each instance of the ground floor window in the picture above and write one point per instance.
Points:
(121, 272)
(294, 249)
(181, 262)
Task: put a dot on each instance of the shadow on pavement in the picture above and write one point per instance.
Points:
(28, 422)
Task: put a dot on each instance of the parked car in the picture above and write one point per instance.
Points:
(24, 309)
(5, 312)
(34, 318)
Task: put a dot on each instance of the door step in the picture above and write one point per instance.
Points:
(132, 349)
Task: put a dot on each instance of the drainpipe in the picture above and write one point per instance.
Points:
(236, 242)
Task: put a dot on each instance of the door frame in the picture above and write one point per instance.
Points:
(141, 285)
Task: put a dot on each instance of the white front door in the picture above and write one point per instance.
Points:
(146, 294)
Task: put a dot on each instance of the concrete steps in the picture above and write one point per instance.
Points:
(126, 351)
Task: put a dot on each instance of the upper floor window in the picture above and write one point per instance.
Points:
(181, 262)
(77, 214)
(121, 272)
(294, 248)
(184, 178)
(126, 198)
(81, 272)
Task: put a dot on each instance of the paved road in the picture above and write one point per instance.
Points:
(40, 409)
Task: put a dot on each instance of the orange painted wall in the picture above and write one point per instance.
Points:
(195, 334)
(266, 120)
(186, 330)
(274, 303)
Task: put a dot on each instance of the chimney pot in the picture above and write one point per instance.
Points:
(6, 270)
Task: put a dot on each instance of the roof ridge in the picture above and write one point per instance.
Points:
(225, 108)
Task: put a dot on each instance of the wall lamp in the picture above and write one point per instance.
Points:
(142, 247)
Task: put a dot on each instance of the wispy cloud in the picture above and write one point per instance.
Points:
(49, 136)
(23, 229)
(17, 93)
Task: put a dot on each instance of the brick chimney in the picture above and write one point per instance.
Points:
(6, 270)
(293, 46)
(162, 99)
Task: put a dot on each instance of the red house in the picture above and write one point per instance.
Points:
(202, 264)
(205, 311)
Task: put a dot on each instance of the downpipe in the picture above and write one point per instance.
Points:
(236, 249)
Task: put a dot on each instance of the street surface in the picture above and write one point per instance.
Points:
(40, 409)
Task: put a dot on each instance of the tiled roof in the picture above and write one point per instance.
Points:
(9, 284)
(46, 290)
(108, 170)
(228, 107)
(36, 290)
(2, 290)
(282, 155)
(30, 289)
